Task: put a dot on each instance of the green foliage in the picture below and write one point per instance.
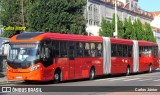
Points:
(108, 27)
(11, 15)
(135, 30)
(64, 16)
(140, 30)
(127, 29)
(105, 29)
(149, 33)
(8, 34)
(120, 28)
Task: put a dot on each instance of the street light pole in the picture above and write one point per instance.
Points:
(87, 16)
(116, 28)
(22, 13)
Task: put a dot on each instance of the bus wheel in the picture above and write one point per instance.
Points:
(28, 81)
(92, 74)
(57, 77)
(150, 68)
(127, 71)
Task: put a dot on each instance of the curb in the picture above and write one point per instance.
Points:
(9, 82)
(5, 83)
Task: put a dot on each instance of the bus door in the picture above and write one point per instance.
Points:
(71, 58)
(46, 58)
(155, 62)
(142, 58)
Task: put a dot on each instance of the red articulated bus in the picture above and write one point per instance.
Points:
(51, 56)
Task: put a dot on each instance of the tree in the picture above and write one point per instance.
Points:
(64, 16)
(140, 31)
(105, 29)
(149, 33)
(128, 28)
(12, 15)
(120, 28)
(113, 24)
(134, 32)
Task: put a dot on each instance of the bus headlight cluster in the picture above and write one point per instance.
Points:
(7, 68)
(34, 67)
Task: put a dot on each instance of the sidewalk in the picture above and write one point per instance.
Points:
(3, 78)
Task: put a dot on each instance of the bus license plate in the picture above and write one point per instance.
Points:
(19, 77)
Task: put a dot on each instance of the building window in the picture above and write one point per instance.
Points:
(96, 16)
(132, 4)
(93, 15)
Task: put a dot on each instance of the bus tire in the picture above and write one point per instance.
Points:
(150, 68)
(128, 71)
(28, 81)
(57, 76)
(92, 74)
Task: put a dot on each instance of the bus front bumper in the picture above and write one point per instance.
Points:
(35, 75)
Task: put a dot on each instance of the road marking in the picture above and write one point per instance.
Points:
(145, 79)
(131, 79)
(100, 79)
(157, 80)
(142, 76)
(114, 79)
(157, 85)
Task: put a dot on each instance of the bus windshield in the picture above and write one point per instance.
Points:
(23, 53)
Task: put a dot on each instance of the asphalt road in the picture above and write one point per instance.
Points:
(109, 85)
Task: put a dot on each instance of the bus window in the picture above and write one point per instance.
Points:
(46, 53)
(130, 51)
(155, 51)
(113, 50)
(125, 51)
(99, 49)
(93, 50)
(120, 50)
(71, 50)
(79, 49)
(87, 50)
(63, 49)
(141, 51)
(56, 49)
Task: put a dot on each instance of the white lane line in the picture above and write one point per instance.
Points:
(110, 79)
(145, 79)
(143, 76)
(131, 79)
(100, 79)
(157, 85)
(157, 80)
(114, 79)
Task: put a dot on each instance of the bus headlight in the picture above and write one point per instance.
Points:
(7, 68)
(34, 67)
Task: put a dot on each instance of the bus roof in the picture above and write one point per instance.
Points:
(38, 36)
(121, 41)
(146, 43)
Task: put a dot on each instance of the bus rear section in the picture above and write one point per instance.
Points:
(148, 56)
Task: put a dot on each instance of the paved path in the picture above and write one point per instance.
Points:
(2, 77)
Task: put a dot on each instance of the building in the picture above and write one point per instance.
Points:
(96, 9)
(156, 26)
